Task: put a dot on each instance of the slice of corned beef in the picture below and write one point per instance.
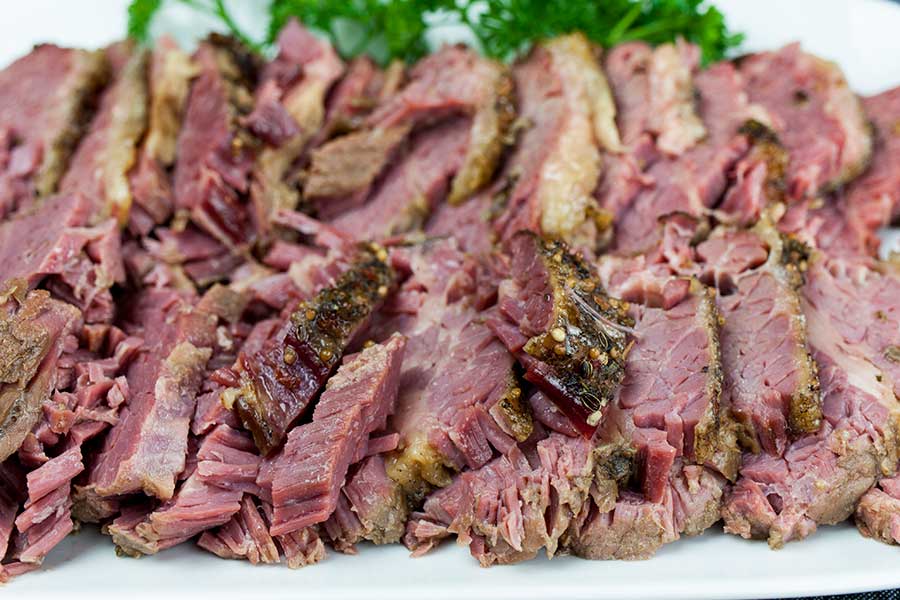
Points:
(414, 187)
(694, 181)
(816, 115)
(215, 152)
(46, 99)
(570, 337)
(146, 449)
(852, 326)
(362, 88)
(307, 476)
(878, 512)
(100, 164)
(875, 196)
(629, 527)
(512, 507)
(548, 181)
(458, 400)
(670, 396)
(52, 246)
(454, 160)
(245, 536)
(846, 224)
(770, 381)
(169, 75)
(654, 94)
(371, 507)
(456, 80)
(227, 465)
(289, 111)
(34, 331)
(276, 382)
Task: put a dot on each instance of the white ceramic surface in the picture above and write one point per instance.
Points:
(864, 37)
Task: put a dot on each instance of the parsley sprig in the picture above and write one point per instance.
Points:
(388, 29)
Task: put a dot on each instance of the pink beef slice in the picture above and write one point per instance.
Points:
(34, 331)
(145, 451)
(215, 152)
(654, 95)
(852, 324)
(693, 182)
(371, 507)
(569, 336)
(547, 183)
(629, 527)
(816, 116)
(52, 246)
(878, 512)
(512, 507)
(386, 168)
(847, 223)
(245, 536)
(100, 164)
(362, 88)
(168, 82)
(272, 385)
(227, 465)
(668, 405)
(458, 400)
(770, 381)
(289, 112)
(412, 189)
(45, 103)
(874, 198)
(308, 474)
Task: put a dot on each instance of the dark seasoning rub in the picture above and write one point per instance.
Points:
(273, 395)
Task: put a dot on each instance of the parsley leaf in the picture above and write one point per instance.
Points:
(140, 14)
(391, 29)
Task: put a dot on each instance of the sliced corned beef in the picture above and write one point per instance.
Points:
(770, 382)
(289, 111)
(669, 399)
(372, 507)
(145, 451)
(629, 527)
(852, 327)
(512, 507)
(307, 476)
(363, 87)
(100, 164)
(458, 400)
(169, 75)
(45, 103)
(692, 182)
(878, 511)
(277, 382)
(245, 536)
(34, 331)
(414, 187)
(52, 246)
(548, 181)
(454, 160)
(456, 80)
(816, 115)
(227, 466)
(214, 152)
(570, 337)
(875, 196)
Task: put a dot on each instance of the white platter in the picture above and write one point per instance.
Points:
(863, 36)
